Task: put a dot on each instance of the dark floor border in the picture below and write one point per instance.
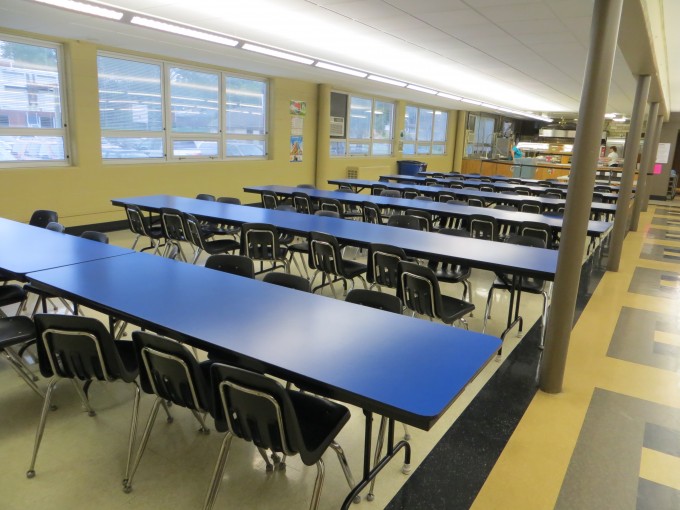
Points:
(454, 472)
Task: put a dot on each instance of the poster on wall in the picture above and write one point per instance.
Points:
(663, 152)
(298, 108)
(296, 149)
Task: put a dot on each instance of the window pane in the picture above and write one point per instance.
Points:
(246, 101)
(410, 123)
(194, 148)
(440, 123)
(382, 149)
(438, 149)
(194, 101)
(246, 148)
(338, 147)
(31, 148)
(360, 118)
(409, 148)
(356, 149)
(382, 121)
(131, 148)
(424, 148)
(129, 95)
(29, 87)
(425, 126)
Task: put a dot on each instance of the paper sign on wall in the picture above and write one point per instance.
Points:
(663, 152)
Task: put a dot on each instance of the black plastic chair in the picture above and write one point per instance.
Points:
(174, 232)
(374, 299)
(82, 349)
(169, 371)
(205, 196)
(531, 206)
(92, 235)
(261, 242)
(541, 231)
(371, 213)
(196, 237)
(139, 225)
(454, 273)
(325, 256)
(405, 221)
(42, 217)
(383, 265)
(426, 219)
(377, 189)
(234, 264)
(523, 190)
(475, 202)
(55, 226)
(269, 199)
(424, 198)
(258, 409)
(16, 333)
(409, 193)
(292, 281)
(12, 295)
(527, 284)
(303, 203)
(419, 292)
(333, 205)
(483, 226)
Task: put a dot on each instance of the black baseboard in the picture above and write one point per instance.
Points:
(108, 226)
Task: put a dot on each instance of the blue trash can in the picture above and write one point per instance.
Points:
(407, 167)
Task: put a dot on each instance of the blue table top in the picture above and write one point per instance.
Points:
(478, 253)
(26, 248)
(394, 365)
(552, 203)
(595, 228)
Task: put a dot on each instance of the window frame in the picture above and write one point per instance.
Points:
(427, 146)
(372, 140)
(169, 137)
(61, 132)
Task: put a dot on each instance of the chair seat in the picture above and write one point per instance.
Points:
(11, 294)
(155, 232)
(16, 330)
(530, 285)
(453, 309)
(302, 247)
(452, 273)
(221, 246)
(352, 268)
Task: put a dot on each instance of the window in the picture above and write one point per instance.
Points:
(155, 110)
(369, 131)
(424, 131)
(31, 107)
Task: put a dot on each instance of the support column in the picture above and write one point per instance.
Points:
(655, 148)
(603, 35)
(629, 164)
(645, 162)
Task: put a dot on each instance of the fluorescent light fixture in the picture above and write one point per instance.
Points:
(340, 69)
(85, 8)
(278, 54)
(471, 101)
(180, 30)
(533, 146)
(610, 115)
(449, 96)
(492, 106)
(420, 89)
(389, 81)
(620, 119)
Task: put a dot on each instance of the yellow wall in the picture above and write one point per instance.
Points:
(81, 193)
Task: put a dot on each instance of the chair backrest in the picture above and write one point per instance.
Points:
(377, 189)
(552, 194)
(77, 347)
(260, 241)
(234, 264)
(329, 214)
(269, 200)
(169, 370)
(429, 181)
(193, 231)
(456, 185)
(55, 226)
(345, 188)
(541, 231)
(42, 217)
(487, 188)
(374, 299)
(405, 221)
(172, 221)
(324, 253)
(306, 186)
(419, 289)
(409, 193)
(383, 264)
(302, 202)
(390, 193)
(531, 206)
(457, 202)
(425, 218)
(92, 235)
(475, 202)
(424, 198)
(505, 207)
(482, 226)
(444, 196)
(292, 281)
(229, 200)
(205, 196)
(523, 190)
(556, 191)
(136, 220)
(371, 213)
(331, 204)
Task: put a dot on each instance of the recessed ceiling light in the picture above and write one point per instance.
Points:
(85, 8)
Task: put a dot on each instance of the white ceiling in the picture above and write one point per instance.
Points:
(524, 54)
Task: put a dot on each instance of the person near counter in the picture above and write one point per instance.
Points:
(613, 156)
(516, 152)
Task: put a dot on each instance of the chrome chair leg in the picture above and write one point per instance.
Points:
(269, 467)
(199, 418)
(487, 309)
(318, 485)
(216, 481)
(376, 458)
(133, 433)
(41, 426)
(407, 434)
(20, 367)
(83, 398)
(142, 444)
(135, 243)
(345, 468)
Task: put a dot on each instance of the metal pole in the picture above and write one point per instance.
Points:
(655, 148)
(629, 164)
(603, 35)
(645, 163)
